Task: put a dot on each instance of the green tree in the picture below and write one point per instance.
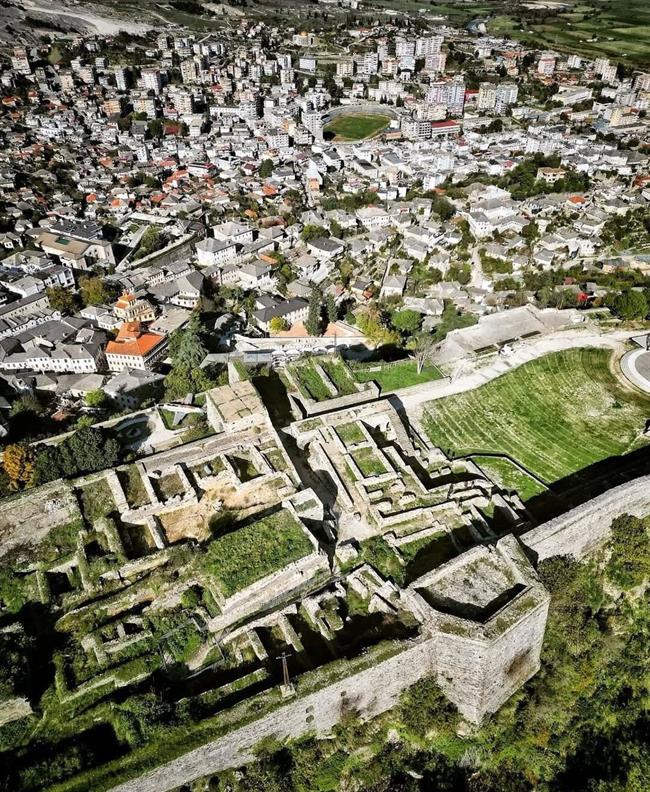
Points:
(150, 241)
(94, 291)
(96, 398)
(371, 325)
(313, 323)
(330, 308)
(188, 351)
(406, 321)
(629, 547)
(61, 299)
(278, 324)
(629, 304)
(310, 232)
(266, 169)
(530, 232)
(85, 451)
(443, 208)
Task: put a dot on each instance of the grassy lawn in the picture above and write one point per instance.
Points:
(256, 550)
(350, 434)
(392, 376)
(356, 126)
(368, 462)
(555, 415)
(509, 477)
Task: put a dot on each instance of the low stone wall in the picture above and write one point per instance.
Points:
(584, 528)
(264, 591)
(369, 692)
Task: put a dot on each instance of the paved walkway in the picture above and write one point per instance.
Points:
(635, 365)
(472, 374)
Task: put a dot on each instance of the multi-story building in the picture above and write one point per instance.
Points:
(506, 95)
(152, 80)
(487, 96)
(189, 70)
(404, 48)
(642, 82)
(122, 78)
(435, 62)
(456, 95)
(546, 64)
(130, 308)
(314, 123)
(345, 68)
(436, 93)
(135, 348)
(428, 46)
(20, 61)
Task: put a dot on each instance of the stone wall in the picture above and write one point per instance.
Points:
(584, 528)
(478, 675)
(179, 250)
(370, 692)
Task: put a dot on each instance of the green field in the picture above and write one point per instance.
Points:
(356, 126)
(509, 477)
(391, 376)
(555, 415)
(591, 28)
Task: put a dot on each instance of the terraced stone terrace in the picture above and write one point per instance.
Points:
(387, 485)
(318, 384)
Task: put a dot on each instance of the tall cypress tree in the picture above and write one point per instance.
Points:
(313, 317)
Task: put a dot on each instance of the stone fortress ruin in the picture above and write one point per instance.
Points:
(256, 564)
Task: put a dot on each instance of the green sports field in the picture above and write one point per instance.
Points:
(555, 415)
(356, 126)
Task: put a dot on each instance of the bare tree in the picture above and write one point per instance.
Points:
(423, 350)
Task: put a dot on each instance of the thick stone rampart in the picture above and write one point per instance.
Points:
(584, 528)
(369, 692)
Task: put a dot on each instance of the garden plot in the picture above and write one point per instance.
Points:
(134, 490)
(369, 462)
(555, 415)
(320, 380)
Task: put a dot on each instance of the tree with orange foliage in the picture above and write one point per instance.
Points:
(18, 463)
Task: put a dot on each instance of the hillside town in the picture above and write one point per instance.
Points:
(324, 405)
(173, 174)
